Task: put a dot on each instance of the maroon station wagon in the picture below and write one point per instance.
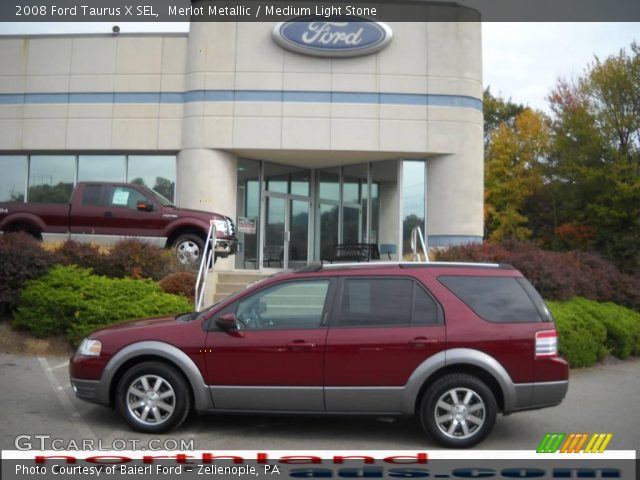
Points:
(451, 344)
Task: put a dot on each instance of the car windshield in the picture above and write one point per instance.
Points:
(164, 201)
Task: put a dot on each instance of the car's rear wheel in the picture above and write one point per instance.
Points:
(153, 397)
(458, 410)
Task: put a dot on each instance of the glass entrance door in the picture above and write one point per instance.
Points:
(299, 238)
(286, 231)
(275, 232)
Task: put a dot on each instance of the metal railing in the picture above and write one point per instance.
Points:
(416, 234)
(206, 266)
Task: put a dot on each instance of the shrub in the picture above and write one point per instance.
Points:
(556, 275)
(622, 325)
(73, 301)
(85, 255)
(582, 338)
(180, 283)
(21, 259)
(137, 259)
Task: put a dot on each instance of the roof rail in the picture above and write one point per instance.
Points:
(317, 267)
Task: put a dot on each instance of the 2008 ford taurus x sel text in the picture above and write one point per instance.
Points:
(452, 344)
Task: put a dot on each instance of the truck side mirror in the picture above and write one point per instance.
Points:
(145, 206)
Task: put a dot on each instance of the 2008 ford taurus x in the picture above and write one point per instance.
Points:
(451, 344)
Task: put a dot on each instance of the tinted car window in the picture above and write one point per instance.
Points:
(495, 299)
(425, 308)
(385, 301)
(289, 305)
(91, 195)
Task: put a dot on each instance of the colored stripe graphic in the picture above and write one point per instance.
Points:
(598, 442)
(551, 442)
(574, 442)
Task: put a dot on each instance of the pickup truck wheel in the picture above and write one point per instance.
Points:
(458, 410)
(153, 397)
(188, 248)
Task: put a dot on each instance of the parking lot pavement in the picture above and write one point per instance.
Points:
(36, 399)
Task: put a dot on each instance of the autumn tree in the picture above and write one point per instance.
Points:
(514, 162)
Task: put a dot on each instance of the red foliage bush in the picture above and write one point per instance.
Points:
(21, 259)
(85, 255)
(137, 259)
(556, 275)
(180, 283)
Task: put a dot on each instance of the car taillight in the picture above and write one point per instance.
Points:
(546, 343)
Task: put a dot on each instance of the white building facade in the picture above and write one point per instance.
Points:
(306, 151)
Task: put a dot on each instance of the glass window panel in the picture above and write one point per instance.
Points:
(299, 226)
(274, 308)
(495, 299)
(351, 225)
(376, 302)
(248, 206)
(51, 178)
(328, 229)
(425, 309)
(92, 195)
(354, 183)
(157, 172)
(354, 198)
(329, 184)
(413, 201)
(300, 183)
(125, 197)
(14, 178)
(101, 168)
(276, 178)
(385, 223)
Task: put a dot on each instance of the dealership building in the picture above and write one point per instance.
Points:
(310, 133)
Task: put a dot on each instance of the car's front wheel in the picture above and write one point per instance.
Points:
(458, 410)
(189, 248)
(153, 397)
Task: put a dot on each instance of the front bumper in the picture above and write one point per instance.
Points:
(88, 390)
(226, 246)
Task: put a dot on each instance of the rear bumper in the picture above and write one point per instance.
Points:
(530, 396)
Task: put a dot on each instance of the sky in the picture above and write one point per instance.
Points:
(523, 60)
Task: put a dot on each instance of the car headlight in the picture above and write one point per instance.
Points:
(90, 348)
(221, 226)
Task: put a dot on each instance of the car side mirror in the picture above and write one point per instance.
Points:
(145, 206)
(230, 324)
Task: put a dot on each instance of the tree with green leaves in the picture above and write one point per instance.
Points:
(595, 164)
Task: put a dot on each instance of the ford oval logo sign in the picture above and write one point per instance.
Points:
(333, 39)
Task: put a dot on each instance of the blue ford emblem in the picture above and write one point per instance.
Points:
(333, 39)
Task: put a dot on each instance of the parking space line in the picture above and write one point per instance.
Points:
(61, 365)
(71, 411)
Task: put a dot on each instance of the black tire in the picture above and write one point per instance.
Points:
(188, 248)
(171, 398)
(464, 423)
